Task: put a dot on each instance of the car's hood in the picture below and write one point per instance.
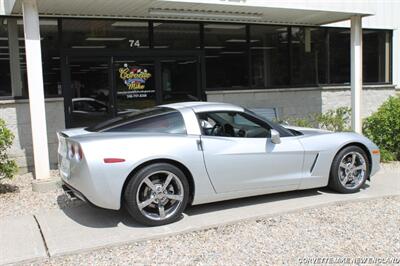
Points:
(308, 130)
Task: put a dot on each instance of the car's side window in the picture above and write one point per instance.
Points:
(171, 123)
(232, 124)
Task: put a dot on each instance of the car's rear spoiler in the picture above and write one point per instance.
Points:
(73, 132)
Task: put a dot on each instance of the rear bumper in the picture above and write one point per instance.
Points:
(73, 193)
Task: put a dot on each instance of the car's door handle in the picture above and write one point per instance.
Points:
(199, 145)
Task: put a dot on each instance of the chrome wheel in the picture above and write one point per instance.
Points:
(352, 170)
(160, 195)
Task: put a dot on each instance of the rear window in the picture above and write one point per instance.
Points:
(154, 120)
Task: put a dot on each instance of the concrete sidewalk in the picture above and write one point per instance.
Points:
(84, 228)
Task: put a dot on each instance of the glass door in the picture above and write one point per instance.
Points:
(135, 84)
(180, 79)
(89, 96)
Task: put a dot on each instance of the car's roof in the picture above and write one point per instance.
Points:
(205, 106)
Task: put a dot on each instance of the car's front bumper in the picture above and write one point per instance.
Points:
(376, 159)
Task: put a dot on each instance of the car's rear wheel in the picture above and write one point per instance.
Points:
(157, 194)
(349, 170)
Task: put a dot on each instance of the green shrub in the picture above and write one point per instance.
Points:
(300, 122)
(383, 128)
(8, 167)
(334, 120)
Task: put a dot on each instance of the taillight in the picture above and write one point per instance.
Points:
(75, 151)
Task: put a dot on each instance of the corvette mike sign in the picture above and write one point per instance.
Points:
(135, 79)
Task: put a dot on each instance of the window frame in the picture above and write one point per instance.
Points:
(253, 118)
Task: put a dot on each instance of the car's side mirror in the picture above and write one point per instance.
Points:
(275, 137)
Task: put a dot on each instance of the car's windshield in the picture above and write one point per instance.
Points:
(284, 132)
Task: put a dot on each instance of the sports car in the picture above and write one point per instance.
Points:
(158, 161)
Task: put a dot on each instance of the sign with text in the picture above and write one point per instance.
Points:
(137, 81)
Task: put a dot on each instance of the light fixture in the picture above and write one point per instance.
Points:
(212, 56)
(211, 47)
(137, 24)
(224, 26)
(187, 62)
(89, 47)
(55, 58)
(263, 48)
(204, 14)
(241, 40)
(43, 22)
(107, 39)
(125, 61)
(98, 67)
(231, 52)
(161, 46)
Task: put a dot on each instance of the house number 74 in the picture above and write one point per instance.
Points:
(134, 43)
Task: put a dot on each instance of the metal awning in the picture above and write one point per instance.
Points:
(250, 11)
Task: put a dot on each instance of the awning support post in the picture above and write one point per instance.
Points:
(356, 73)
(35, 87)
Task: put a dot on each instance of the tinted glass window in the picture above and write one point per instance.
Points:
(339, 55)
(157, 120)
(176, 35)
(226, 56)
(101, 33)
(376, 55)
(308, 56)
(89, 106)
(232, 124)
(269, 56)
(171, 123)
(5, 79)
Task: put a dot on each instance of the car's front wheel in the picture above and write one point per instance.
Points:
(157, 194)
(349, 170)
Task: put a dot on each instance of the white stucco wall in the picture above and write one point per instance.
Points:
(17, 117)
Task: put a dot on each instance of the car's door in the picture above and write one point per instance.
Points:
(242, 161)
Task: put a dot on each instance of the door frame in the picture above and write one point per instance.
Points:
(142, 53)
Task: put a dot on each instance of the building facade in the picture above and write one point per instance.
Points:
(100, 59)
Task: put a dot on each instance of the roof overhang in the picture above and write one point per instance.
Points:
(250, 11)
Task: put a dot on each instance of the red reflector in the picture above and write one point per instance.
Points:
(113, 160)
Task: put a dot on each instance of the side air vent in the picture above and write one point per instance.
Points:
(315, 161)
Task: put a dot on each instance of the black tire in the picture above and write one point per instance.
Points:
(334, 180)
(134, 184)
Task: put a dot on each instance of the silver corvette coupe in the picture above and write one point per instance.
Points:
(157, 161)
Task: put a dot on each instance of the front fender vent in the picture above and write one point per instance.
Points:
(315, 161)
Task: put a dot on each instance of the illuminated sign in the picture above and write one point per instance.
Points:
(134, 77)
